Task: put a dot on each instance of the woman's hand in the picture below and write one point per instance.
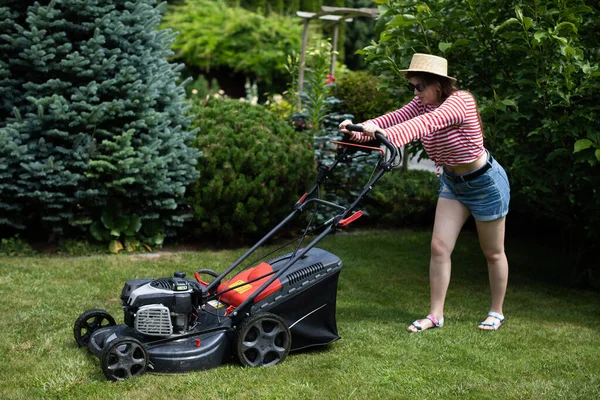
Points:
(351, 134)
(369, 130)
(343, 126)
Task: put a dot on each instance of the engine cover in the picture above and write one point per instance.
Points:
(162, 306)
(154, 320)
(175, 293)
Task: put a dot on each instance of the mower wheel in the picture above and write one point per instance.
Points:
(262, 340)
(124, 358)
(89, 322)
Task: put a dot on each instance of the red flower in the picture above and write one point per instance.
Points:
(330, 79)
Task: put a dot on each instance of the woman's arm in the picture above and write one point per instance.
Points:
(407, 112)
(451, 112)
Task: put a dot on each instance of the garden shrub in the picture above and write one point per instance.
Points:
(79, 248)
(254, 168)
(359, 96)
(213, 35)
(15, 246)
(402, 199)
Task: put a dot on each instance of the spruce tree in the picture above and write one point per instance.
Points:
(92, 120)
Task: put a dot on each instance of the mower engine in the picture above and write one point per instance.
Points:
(164, 306)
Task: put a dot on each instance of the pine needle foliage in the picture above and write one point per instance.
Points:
(92, 121)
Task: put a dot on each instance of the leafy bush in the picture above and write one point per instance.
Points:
(403, 199)
(279, 106)
(15, 246)
(79, 248)
(359, 33)
(359, 96)
(213, 35)
(124, 230)
(534, 68)
(254, 168)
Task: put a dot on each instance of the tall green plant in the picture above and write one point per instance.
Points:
(536, 83)
(318, 84)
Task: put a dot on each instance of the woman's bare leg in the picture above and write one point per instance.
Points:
(450, 216)
(491, 239)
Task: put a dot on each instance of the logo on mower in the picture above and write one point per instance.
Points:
(240, 289)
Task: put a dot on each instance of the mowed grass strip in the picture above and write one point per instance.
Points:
(549, 347)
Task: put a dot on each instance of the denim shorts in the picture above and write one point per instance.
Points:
(486, 196)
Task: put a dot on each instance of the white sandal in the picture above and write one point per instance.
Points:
(495, 324)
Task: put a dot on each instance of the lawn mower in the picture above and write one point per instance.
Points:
(288, 303)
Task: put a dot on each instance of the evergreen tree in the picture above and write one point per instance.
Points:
(12, 15)
(92, 120)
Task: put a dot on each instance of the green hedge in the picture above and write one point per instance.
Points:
(254, 168)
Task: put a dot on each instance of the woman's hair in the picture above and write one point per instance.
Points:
(446, 84)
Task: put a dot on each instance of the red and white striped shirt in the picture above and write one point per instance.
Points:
(451, 132)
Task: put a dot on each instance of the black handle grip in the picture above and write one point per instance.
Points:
(355, 128)
(393, 149)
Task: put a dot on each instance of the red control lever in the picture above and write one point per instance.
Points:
(351, 219)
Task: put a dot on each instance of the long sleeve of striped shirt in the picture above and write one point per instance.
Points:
(405, 125)
(451, 112)
(451, 133)
(409, 111)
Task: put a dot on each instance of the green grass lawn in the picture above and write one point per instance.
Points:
(549, 347)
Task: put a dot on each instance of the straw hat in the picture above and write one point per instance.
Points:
(429, 63)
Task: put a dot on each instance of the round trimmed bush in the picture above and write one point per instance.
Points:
(253, 170)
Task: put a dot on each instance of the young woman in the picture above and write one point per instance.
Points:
(447, 122)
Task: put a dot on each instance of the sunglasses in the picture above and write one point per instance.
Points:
(419, 87)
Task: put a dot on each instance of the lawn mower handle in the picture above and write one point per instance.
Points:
(382, 138)
(384, 167)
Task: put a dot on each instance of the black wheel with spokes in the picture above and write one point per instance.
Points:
(89, 322)
(124, 358)
(263, 340)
